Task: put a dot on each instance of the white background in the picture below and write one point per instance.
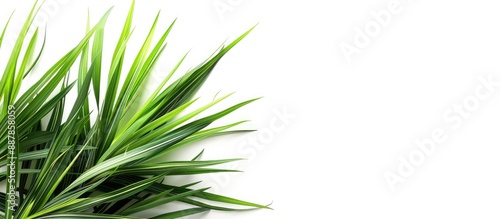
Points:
(352, 120)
